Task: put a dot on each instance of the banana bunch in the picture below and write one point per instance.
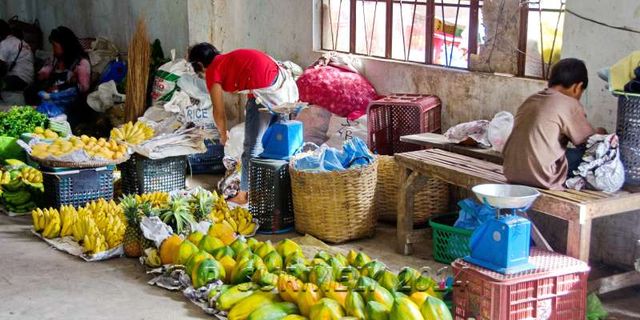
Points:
(239, 219)
(31, 175)
(46, 221)
(94, 242)
(157, 199)
(69, 216)
(114, 233)
(133, 133)
(84, 222)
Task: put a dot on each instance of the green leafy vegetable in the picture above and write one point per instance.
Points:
(19, 120)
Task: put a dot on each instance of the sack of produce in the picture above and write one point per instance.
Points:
(166, 79)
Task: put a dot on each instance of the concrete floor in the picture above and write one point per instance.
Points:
(38, 282)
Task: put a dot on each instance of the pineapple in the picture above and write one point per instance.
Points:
(201, 204)
(178, 215)
(132, 241)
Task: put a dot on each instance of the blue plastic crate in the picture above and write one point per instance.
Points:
(76, 187)
(210, 161)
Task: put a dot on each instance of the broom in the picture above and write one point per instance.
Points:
(137, 73)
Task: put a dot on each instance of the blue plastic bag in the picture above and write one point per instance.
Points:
(354, 153)
(473, 214)
(116, 70)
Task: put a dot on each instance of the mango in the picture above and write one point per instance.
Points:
(354, 305)
(210, 244)
(405, 309)
(273, 261)
(435, 309)
(308, 297)
(185, 251)
(326, 309)
(376, 311)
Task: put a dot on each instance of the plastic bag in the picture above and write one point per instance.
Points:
(199, 110)
(354, 153)
(499, 130)
(166, 79)
(474, 132)
(341, 129)
(101, 54)
(235, 141)
(105, 97)
(472, 214)
(595, 310)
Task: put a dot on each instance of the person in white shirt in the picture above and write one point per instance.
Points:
(16, 61)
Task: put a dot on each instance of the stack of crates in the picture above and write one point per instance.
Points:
(555, 290)
(270, 200)
(399, 115)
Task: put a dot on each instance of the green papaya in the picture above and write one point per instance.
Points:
(195, 259)
(246, 253)
(263, 278)
(405, 309)
(360, 260)
(376, 311)
(424, 283)
(239, 244)
(223, 252)
(215, 292)
(253, 243)
(206, 271)
(320, 274)
(322, 255)
(343, 260)
(258, 262)
(317, 261)
(351, 257)
(286, 247)
(326, 309)
(273, 261)
(295, 258)
(375, 292)
(373, 269)
(274, 311)
(299, 271)
(264, 249)
(336, 266)
(435, 309)
(349, 276)
(388, 280)
(243, 271)
(354, 305)
(235, 294)
(406, 278)
(365, 285)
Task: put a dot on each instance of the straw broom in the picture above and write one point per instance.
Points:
(137, 73)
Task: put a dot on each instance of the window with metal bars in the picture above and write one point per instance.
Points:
(441, 32)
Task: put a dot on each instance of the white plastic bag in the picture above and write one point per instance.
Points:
(475, 131)
(499, 130)
(235, 141)
(105, 97)
(199, 110)
(166, 79)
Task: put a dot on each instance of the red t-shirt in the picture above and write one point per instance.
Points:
(242, 69)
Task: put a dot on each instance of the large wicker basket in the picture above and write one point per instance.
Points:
(432, 200)
(335, 206)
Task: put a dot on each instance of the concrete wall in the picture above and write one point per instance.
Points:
(113, 19)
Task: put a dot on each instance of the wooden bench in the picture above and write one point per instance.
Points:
(438, 141)
(578, 208)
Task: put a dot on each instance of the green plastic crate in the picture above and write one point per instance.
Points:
(449, 242)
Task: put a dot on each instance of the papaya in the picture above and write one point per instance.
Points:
(246, 253)
(274, 311)
(233, 295)
(405, 309)
(336, 291)
(323, 255)
(406, 278)
(342, 259)
(264, 249)
(222, 252)
(435, 309)
(336, 267)
(373, 269)
(253, 243)
(354, 305)
(295, 317)
(424, 283)
(239, 244)
(295, 258)
(326, 309)
(397, 295)
(223, 232)
(195, 237)
(243, 271)
(287, 247)
(308, 297)
(168, 248)
(273, 261)
(360, 260)
(195, 259)
(299, 271)
(349, 276)
(257, 261)
(206, 271)
(210, 244)
(388, 280)
(248, 305)
(365, 285)
(228, 264)
(289, 287)
(376, 311)
(317, 261)
(351, 257)
(185, 251)
(419, 297)
(375, 292)
(214, 293)
(263, 278)
(320, 274)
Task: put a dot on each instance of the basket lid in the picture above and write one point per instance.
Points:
(547, 264)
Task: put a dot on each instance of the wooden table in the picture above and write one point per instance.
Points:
(578, 208)
(438, 141)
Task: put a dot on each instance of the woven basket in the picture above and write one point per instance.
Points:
(335, 206)
(432, 200)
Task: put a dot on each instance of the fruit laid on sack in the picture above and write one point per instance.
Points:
(169, 247)
(134, 241)
(206, 271)
(133, 133)
(96, 149)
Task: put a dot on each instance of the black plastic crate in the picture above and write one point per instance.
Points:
(76, 186)
(210, 161)
(143, 175)
(270, 199)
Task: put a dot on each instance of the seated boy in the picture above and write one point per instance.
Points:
(536, 152)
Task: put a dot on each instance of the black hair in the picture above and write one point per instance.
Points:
(201, 55)
(71, 46)
(5, 29)
(568, 72)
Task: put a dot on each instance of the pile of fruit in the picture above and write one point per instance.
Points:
(98, 226)
(263, 281)
(133, 133)
(20, 185)
(42, 133)
(94, 148)
(238, 219)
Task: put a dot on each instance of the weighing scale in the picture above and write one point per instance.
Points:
(502, 244)
(284, 136)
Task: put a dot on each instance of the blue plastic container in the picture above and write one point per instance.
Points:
(282, 139)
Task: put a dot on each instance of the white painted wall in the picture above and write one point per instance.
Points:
(113, 19)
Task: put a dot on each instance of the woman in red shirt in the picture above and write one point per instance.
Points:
(246, 71)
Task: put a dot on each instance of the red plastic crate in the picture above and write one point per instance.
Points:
(399, 115)
(555, 290)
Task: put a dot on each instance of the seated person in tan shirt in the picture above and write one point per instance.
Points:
(536, 152)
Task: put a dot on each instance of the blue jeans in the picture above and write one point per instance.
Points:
(256, 123)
